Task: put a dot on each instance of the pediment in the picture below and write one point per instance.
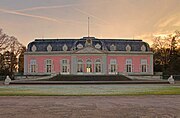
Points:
(88, 50)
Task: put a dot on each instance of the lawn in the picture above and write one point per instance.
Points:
(88, 90)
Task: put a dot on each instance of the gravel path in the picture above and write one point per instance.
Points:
(167, 106)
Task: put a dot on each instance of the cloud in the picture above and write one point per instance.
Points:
(169, 21)
(30, 15)
(45, 7)
(166, 22)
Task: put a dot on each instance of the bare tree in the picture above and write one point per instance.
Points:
(165, 51)
(10, 48)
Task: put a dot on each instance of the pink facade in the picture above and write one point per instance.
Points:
(88, 59)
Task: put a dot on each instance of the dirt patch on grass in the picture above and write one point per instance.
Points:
(90, 107)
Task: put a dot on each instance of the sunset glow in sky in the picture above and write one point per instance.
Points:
(141, 19)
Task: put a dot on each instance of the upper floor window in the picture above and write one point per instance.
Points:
(112, 47)
(128, 65)
(128, 48)
(143, 48)
(33, 66)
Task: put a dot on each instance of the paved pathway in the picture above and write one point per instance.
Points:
(91, 107)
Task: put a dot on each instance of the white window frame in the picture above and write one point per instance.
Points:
(89, 66)
(80, 66)
(98, 66)
(65, 66)
(113, 66)
(144, 63)
(49, 65)
(128, 67)
(33, 66)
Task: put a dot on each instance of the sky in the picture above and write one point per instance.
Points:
(134, 19)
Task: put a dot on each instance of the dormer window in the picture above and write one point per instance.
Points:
(79, 46)
(65, 48)
(98, 46)
(143, 48)
(128, 48)
(33, 48)
(49, 48)
(112, 47)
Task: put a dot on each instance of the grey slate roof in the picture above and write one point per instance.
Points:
(57, 44)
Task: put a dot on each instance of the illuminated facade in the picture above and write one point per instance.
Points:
(88, 55)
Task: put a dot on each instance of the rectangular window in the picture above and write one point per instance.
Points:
(113, 66)
(88, 68)
(128, 65)
(64, 69)
(98, 68)
(80, 67)
(143, 65)
(65, 66)
(48, 66)
(33, 66)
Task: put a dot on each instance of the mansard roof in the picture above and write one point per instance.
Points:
(73, 44)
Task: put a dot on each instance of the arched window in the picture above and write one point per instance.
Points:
(88, 66)
(98, 66)
(80, 66)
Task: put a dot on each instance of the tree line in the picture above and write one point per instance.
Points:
(11, 55)
(166, 51)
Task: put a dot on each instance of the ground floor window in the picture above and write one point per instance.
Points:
(33, 66)
(143, 65)
(48, 65)
(64, 69)
(128, 65)
(88, 66)
(98, 66)
(113, 66)
(79, 66)
(65, 65)
(128, 68)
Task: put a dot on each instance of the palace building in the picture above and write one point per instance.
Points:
(88, 55)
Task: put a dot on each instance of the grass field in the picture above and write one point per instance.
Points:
(88, 90)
